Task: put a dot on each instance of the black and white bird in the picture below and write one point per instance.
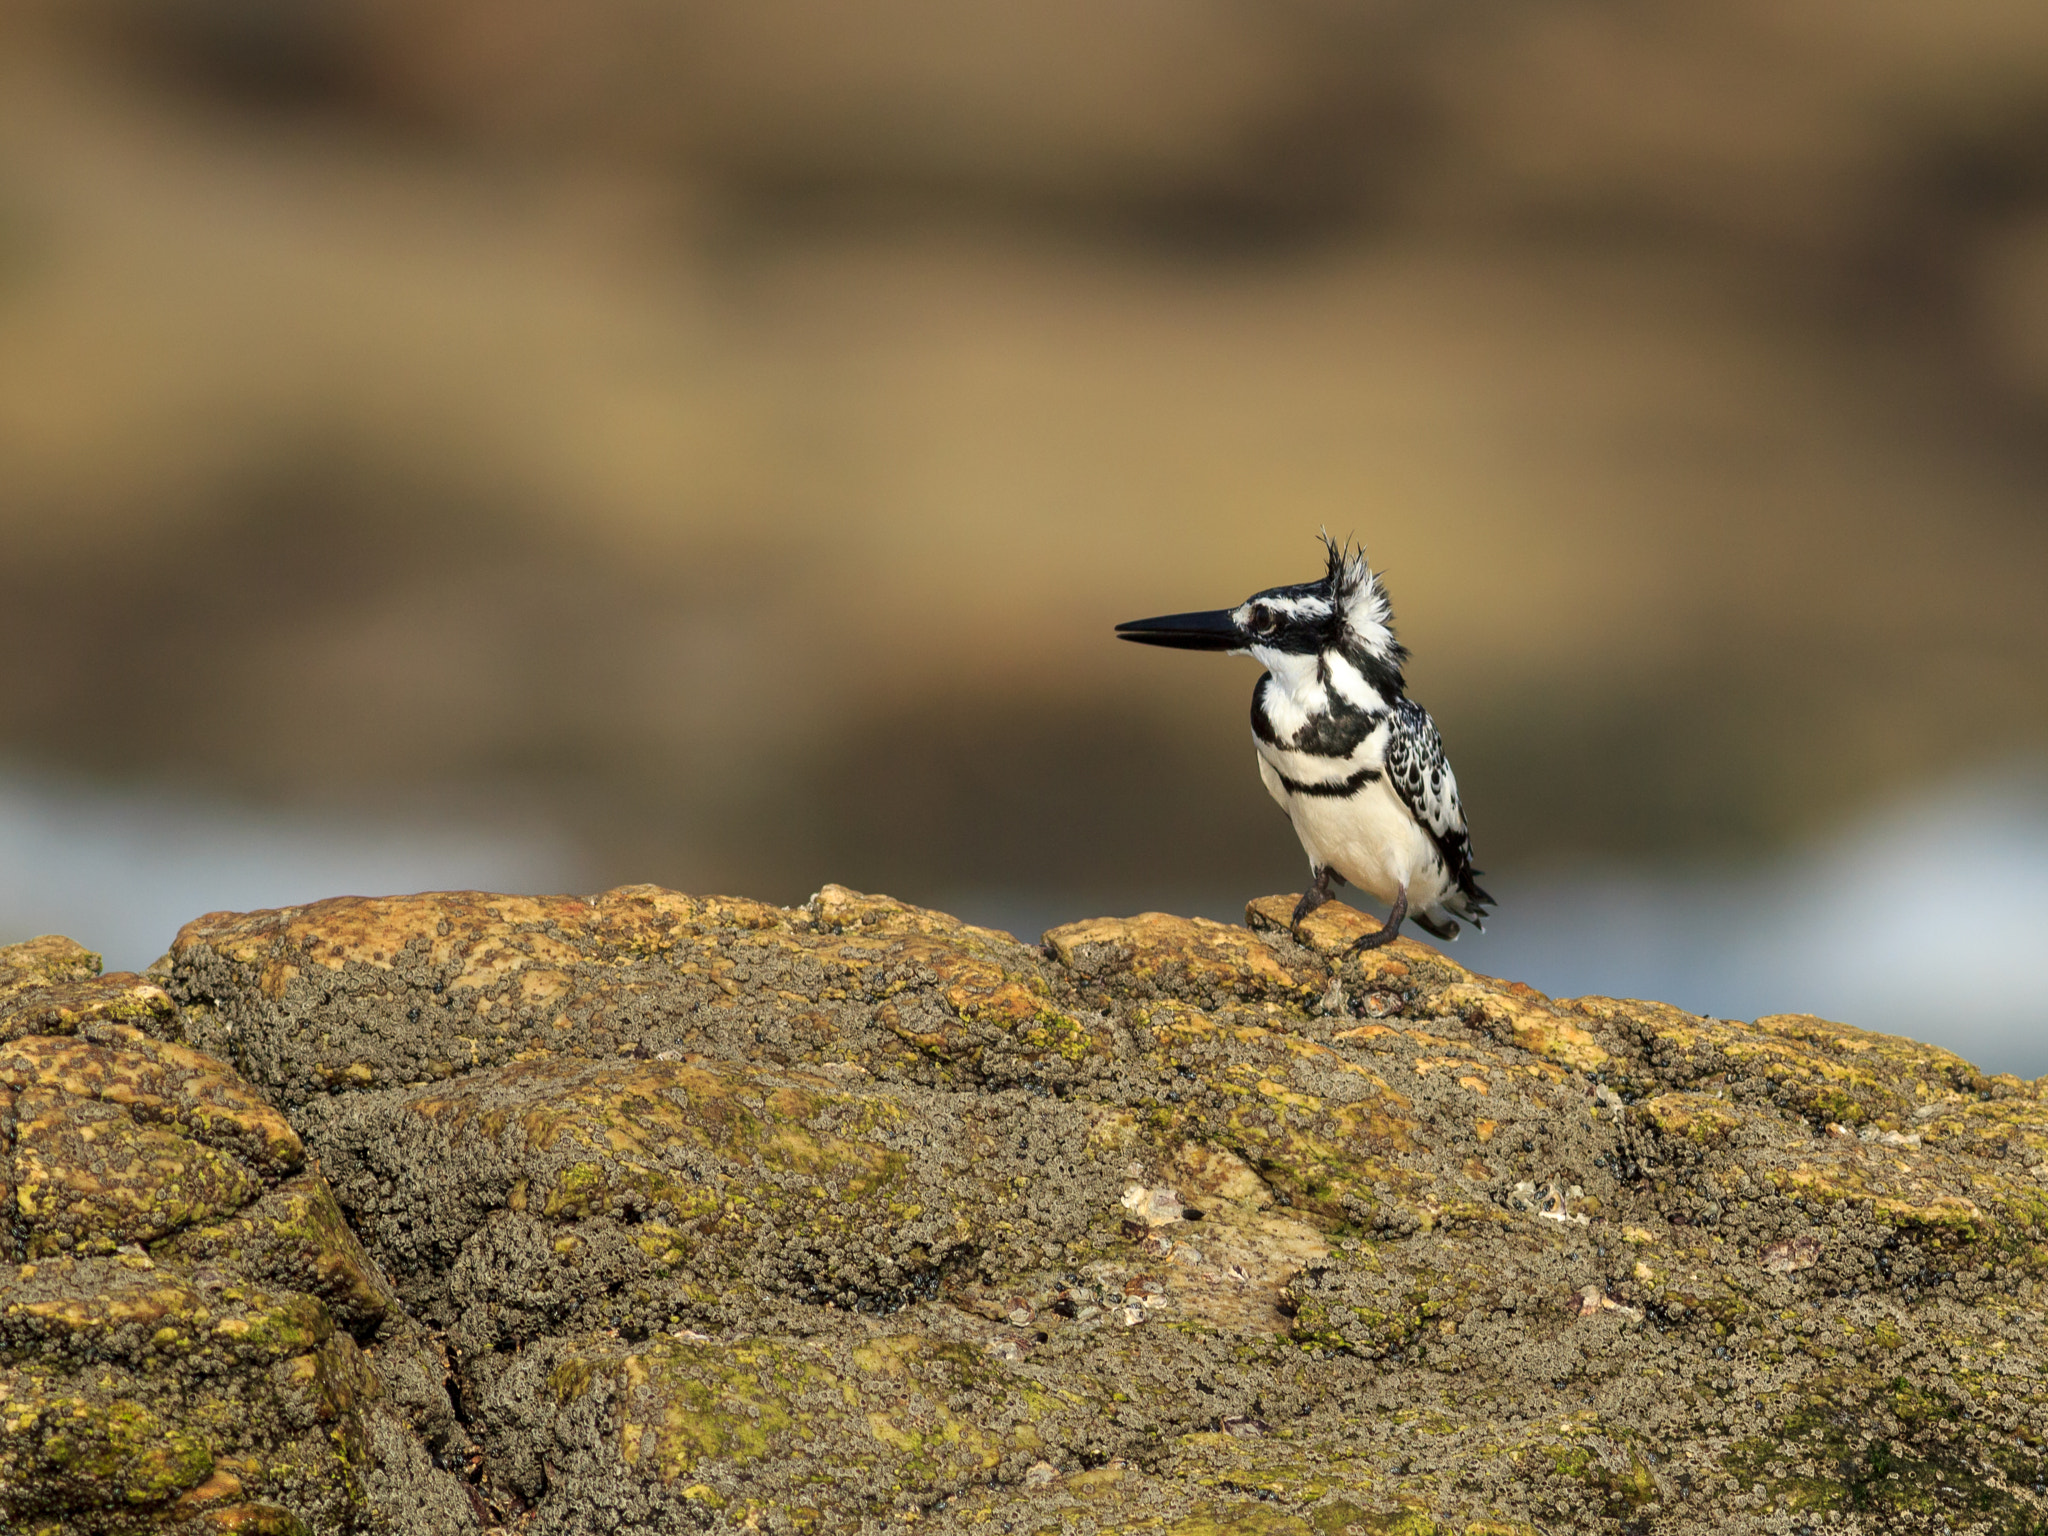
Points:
(1355, 763)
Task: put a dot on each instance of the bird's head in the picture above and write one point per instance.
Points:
(1344, 614)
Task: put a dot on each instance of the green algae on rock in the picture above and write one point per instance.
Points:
(775, 1430)
(41, 964)
(697, 1190)
(417, 989)
(841, 1216)
(51, 986)
(731, 1216)
(180, 1302)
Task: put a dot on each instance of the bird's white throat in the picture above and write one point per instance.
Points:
(1299, 693)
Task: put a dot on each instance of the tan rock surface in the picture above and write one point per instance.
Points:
(39, 964)
(183, 1308)
(730, 1216)
(840, 1216)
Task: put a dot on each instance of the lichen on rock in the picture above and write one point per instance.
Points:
(834, 1218)
(182, 1305)
(51, 986)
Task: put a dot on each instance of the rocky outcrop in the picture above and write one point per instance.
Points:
(187, 1323)
(652, 1212)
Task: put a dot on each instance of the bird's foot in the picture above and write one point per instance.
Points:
(1388, 932)
(1311, 898)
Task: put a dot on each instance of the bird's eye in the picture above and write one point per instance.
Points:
(1261, 621)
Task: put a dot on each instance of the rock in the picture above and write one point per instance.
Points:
(419, 989)
(851, 1215)
(556, 1194)
(183, 1306)
(51, 986)
(1155, 955)
(36, 965)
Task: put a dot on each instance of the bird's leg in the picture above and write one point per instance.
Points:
(1390, 931)
(1311, 898)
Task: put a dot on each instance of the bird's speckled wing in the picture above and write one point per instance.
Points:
(1420, 775)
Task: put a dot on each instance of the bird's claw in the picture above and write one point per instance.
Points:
(1367, 941)
(1383, 935)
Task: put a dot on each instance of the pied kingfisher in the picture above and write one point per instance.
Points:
(1356, 764)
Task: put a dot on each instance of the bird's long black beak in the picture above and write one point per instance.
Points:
(1186, 631)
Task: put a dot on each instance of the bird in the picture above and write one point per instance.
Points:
(1356, 764)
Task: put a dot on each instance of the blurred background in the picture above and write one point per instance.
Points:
(532, 445)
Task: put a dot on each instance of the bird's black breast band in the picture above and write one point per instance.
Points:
(1356, 782)
(1335, 732)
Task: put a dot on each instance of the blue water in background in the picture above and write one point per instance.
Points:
(122, 871)
(1928, 918)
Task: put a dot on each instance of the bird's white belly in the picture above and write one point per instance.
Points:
(1369, 838)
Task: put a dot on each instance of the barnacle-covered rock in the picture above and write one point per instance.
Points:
(555, 1195)
(182, 1305)
(1823, 1071)
(37, 965)
(51, 986)
(417, 989)
(1192, 958)
(764, 1429)
(838, 1217)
